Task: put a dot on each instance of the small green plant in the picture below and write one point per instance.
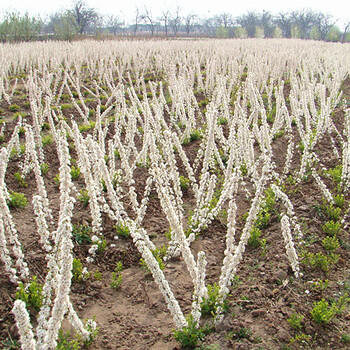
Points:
(101, 245)
(57, 179)
(295, 320)
(44, 167)
(339, 200)
(117, 153)
(302, 338)
(203, 103)
(320, 285)
(254, 240)
(332, 212)
(264, 219)
(319, 260)
(17, 200)
(75, 172)
(15, 152)
(117, 277)
(66, 106)
(2, 137)
(159, 254)
(122, 230)
(14, 108)
(195, 135)
(242, 333)
(184, 182)
(81, 234)
(46, 140)
(222, 121)
(21, 131)
(17, 115)
(330, 243)
(211, 304)
(243, 169)
(20, 179)
(278, 134)
(31, 293)
(335, 173)
(86, 127)
(97, 275)
(90, 326)
(191, 335)
(323, 312)
(65, 341)
(79, 273)
(45, 126)
(331, 228)
(83, 197)
(345, 338)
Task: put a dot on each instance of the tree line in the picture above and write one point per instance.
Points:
(80, 20)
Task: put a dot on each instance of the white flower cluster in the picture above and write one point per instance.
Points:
(7, 227)
(290, 250)
(326, 193)
(159, 277)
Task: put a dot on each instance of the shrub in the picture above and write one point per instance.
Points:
(254, 239)
(81, 234)
(44, 167)
(195, 135)
(117, 277)
(331, 228)
(122, 230)
(159, 254)
(323, 312)
(319, 260)
(46, 140)
(75, 172)
(66, 106)
(17, 200)
(184, 182)
(31, 294)
(14, 108)
(330, 243)
(83, 197)
(295, 320)
(79, 273)
(20, 179)
(190, 335)
(213, 302)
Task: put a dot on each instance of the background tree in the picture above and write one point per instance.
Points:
(137, 19)
(267, 23)
(304, 20)
(324, 23)
(165, 19)
(148, 18)
(285, 22)
(114, 24)
(249, 22)
(209, 26)
(84, 16)
(345, 32)
(16, 27)
(224, 19)
(175, 20)
(64, 25)
(189, 21)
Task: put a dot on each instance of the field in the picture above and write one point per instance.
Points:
(175, 194)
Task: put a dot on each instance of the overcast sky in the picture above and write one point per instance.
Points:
(204, 8)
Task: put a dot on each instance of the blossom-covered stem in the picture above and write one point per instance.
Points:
(24, 326)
